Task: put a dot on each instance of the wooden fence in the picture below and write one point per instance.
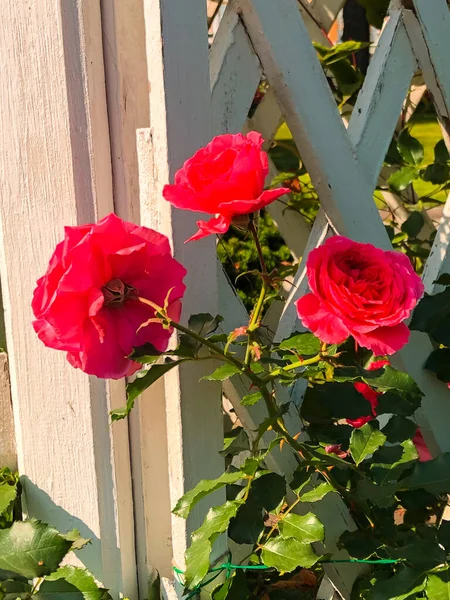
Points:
(101, 102)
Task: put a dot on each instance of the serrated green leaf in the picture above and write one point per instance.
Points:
(286, 554)
(399, 180)
(32, 549)
(401, 586)
(140, 384)
(317, 493)
(410, 148)
(222, 373)
(8, 494)
(78, 542)
(251, 399)
(441, 153)
(438, 585)
(268, 490)
(423, 555)
(304, 528)
(413, 224)
(197, 555)
(399, 429)
(207, 486)
(390, 462)
(305, 344)
(399, 382)
(235, 441)
(71, 582)
(234, 588)
(433, 475)
(365, 440)
(380, 495)
(391, 403)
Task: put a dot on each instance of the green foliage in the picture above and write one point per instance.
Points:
(31, 553)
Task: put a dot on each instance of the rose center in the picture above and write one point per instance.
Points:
(116, 292)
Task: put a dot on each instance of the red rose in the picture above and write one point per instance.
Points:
(362, 291)
(225, 179)
(87, 302)
(421, 447)
(369, 394)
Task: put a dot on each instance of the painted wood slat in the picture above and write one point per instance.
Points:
(180, 109)
(53, 113)
(323, 12)
(8, 452)
(288, 58)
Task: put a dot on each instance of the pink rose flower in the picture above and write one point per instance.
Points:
(359, 290)
(421, 447)
(369, 394)
(225, 179)
(336, 449)
(87, 302)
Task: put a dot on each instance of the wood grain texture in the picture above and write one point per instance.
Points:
(8, 453)
(55, 171)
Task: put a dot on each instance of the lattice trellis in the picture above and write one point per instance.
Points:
(97, 71)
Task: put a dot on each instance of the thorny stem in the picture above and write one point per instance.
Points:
(254, 232)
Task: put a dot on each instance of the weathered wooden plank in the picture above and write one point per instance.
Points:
(55, 171)
(323, 12)
(8, 453)
(180, 107)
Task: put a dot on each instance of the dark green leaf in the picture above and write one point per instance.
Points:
(304, 528)
(140, 384)
(365, 440)
(399, 587)
(317, 493)
(413, 224)
(390, 462)
(235, 441)
(286, 554)
(399, 429)
(399, 180)
(222, 373)
(421, 554)
(145, 354)
(300, 479)
(391, 403)
(11, 589)
(444, 534)
(71, 582)
(410, 148)
(433, 475)
(284, 156)
(400, 383)
(441, 153)
(197, 555)
(375, 11)
(202, 324)
(248, 524)
(340, 51)
(32, 549)
(359, 544)
(251, 399)
(268, 490)
(432, 315)
(203, 488)
(438, 585)
(443, 279)
(334, 401)
(379, 495)
(436, 173)
(439, 362)
(234, 588)
(305, 344)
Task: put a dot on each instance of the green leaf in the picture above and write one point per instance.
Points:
(317, 493)
(380, 495)
(443, 279)
(432, 315)
(410, 148)
(333, 401)
(438, 585)
(341, 51)
(305, 344)
(71, 582)
(268, 490)
(421, 554)
(11, 589)
(399, 180)
(8, 494)
(77, 541)
(365, 440)
(202, 324)
(304, 528)
(436, 173)
(286, 554)
(399, 587)
(197, 555)
(154, 585)
(251, 399)
(390, 403)
(400, 383)
(235, 441)
(248, 524)
(375, 11)
(207, 486)
(32, 549)
(359, 544)
(413, 224)
(441, 153)
(444, 534)
(140, 384)
(145, 354)
(439, 363)
(433, 475)
(390, 462)
(399, 429)
(222, 373)
(234, 588)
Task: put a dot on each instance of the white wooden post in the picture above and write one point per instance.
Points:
(188, 423)
(55, 171)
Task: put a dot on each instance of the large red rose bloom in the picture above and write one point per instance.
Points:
(362, 291)
(225, 179)
(87, 302)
